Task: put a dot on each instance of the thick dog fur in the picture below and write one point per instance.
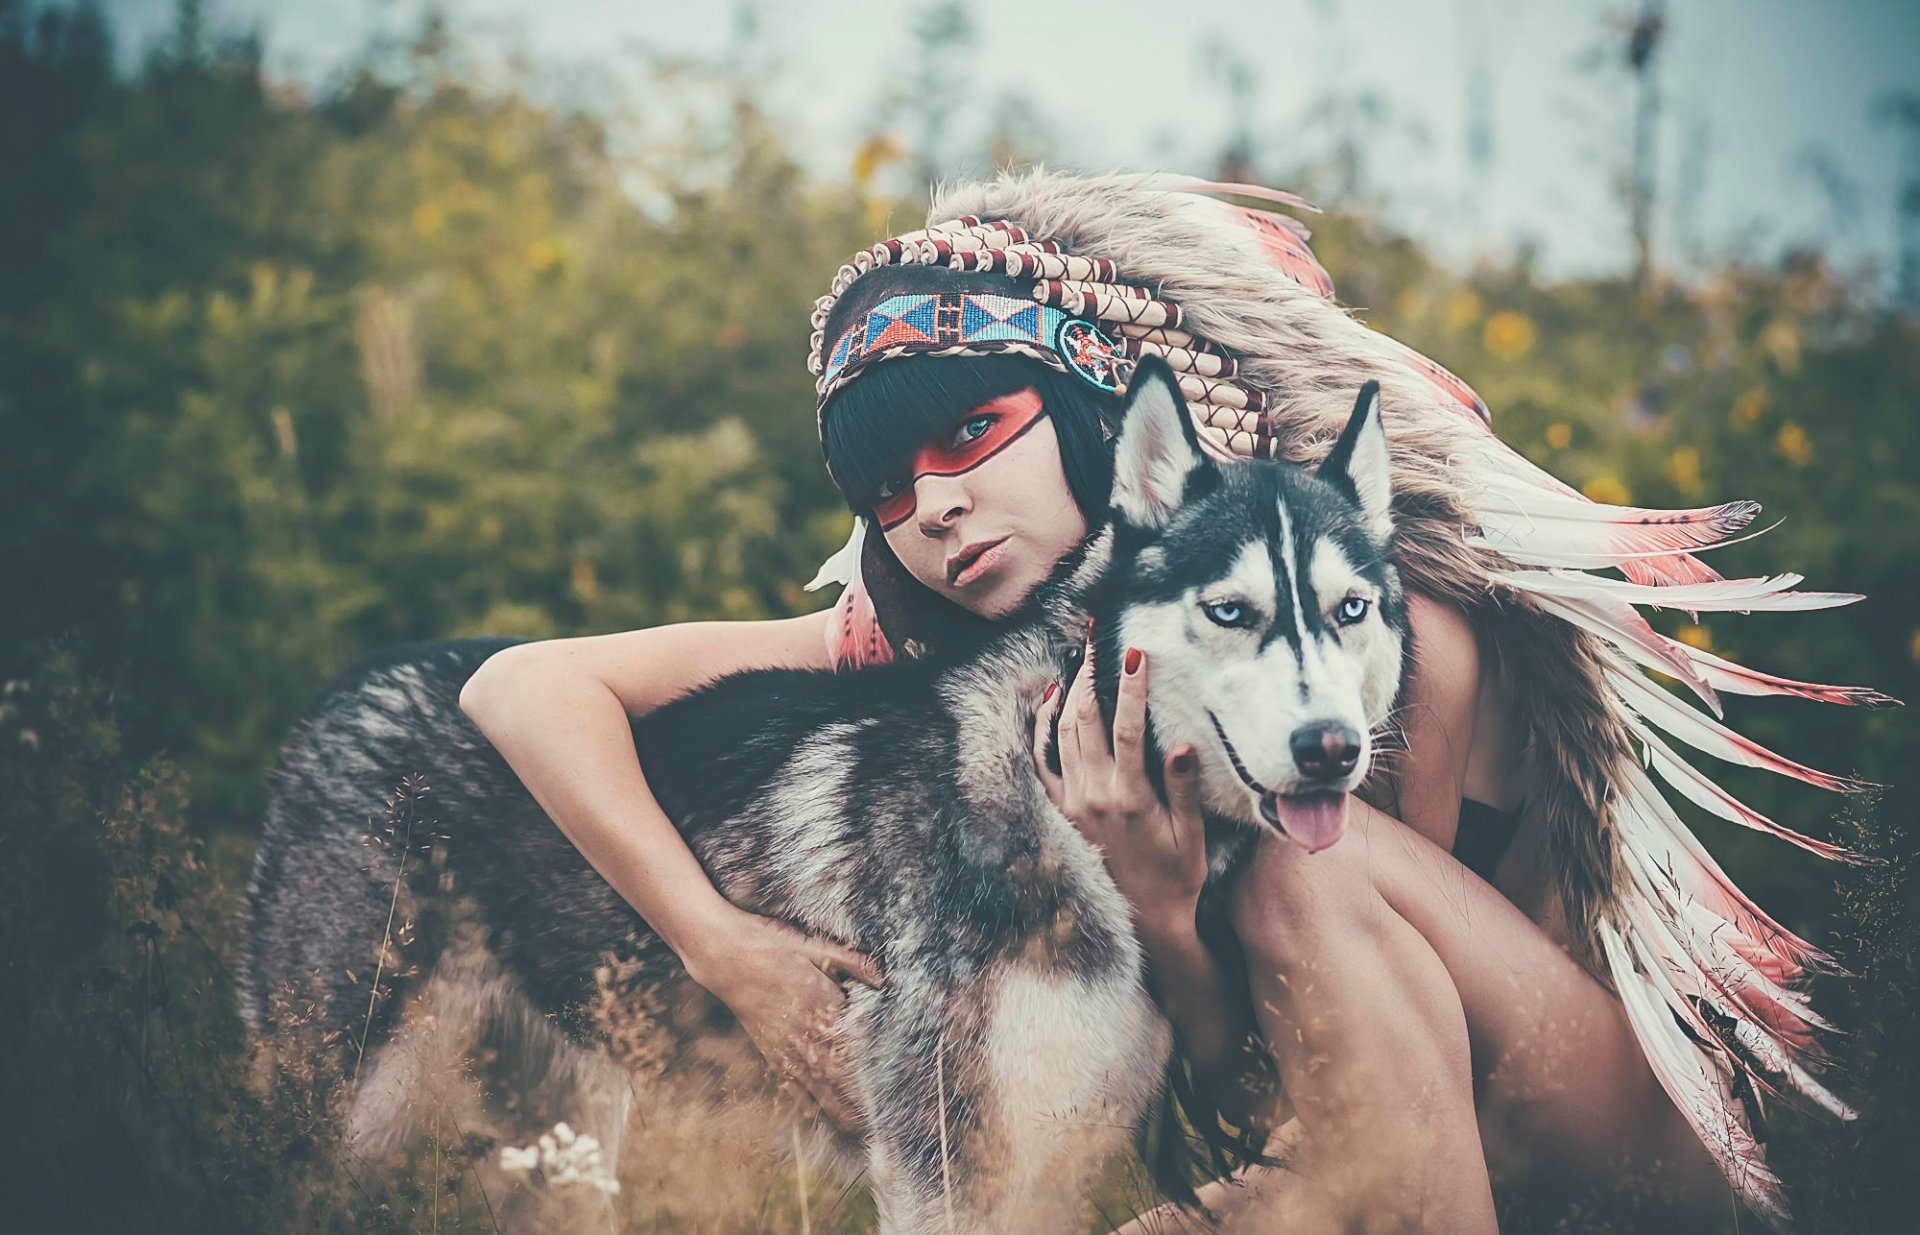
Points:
(896, 810)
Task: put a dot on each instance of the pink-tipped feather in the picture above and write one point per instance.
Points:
(1621, 625)
(1702, 733)
(1669, 844)
(1735, 679)
(1696, 787)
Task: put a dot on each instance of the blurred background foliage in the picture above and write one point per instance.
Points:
(288, 376)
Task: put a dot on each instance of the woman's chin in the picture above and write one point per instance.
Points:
(1002, 598)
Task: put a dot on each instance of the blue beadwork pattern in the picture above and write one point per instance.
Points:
(960, 322)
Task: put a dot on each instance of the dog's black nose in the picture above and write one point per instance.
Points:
(1326, 750)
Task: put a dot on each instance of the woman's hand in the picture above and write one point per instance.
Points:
(1155, 852)
(786, 988)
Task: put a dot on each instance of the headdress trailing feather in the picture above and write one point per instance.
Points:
(1713, 987)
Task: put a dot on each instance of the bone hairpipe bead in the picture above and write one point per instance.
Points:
(1207, 390)
(1106, 308)
(1123, 291)
(1164, 336)
(1182, 359)
(1229, 419)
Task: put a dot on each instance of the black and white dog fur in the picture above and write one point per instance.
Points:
(896, 810)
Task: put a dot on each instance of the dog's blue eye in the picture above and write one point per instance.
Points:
(1353, 609)
(1225, 613)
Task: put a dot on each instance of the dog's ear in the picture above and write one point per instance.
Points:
(1158, 453)
(1359, 465)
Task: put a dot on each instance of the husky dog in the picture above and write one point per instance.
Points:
(896, 810)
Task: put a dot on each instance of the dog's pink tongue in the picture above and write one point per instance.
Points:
(1311, 820)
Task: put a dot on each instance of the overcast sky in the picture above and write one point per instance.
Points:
(1766, 101)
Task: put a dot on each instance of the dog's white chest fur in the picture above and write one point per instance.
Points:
(1075, 1062)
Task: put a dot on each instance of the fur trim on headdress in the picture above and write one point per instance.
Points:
(1711, 985)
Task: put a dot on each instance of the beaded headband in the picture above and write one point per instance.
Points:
(971, 324)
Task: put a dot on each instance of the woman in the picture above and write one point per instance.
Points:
(1425, 1029)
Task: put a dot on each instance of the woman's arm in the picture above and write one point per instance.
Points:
(558, 711)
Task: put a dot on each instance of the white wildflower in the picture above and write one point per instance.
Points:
(515, 1159)
(563, 1156)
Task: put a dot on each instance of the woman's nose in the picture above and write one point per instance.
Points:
(939, 500)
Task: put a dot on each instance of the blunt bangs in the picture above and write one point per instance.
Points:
(875, 424)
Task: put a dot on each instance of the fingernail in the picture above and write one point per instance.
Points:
(1133, 660)
(1053, 688)
(1183, 763)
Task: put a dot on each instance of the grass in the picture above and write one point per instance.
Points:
(131, 1103)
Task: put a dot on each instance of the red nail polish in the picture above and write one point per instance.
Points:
(1183, 763)
(1133, 660)
(1052, 687)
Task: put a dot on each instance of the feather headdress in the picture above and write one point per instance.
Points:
(1712, 986)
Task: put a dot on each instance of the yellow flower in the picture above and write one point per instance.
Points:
(1782, 342)
(875, 153)
(1463, 310)
(428, 219)
(1695, 636)
(585, 580)
(1684, 469)
(1607, 490)
(283, 432)
(1508, 335)
(1748, 408)
(1793, 445)
(1559, 435)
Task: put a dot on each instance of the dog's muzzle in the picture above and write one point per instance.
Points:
(1312, 817)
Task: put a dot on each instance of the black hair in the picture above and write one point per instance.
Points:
(874, 424)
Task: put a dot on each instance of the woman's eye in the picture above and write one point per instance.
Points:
(890, 489)
(1353, 609)
(972, 429)
(1225, 613)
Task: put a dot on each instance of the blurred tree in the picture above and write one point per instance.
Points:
(294, 379)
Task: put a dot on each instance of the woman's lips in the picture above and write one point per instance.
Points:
(981, 562)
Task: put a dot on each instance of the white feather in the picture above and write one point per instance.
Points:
(1695, 786)
(1620, 625)
(1740, 680)
(844, 566)
(1771, 593)
(1662, 709)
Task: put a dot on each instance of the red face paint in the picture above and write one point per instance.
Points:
(982, 434)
